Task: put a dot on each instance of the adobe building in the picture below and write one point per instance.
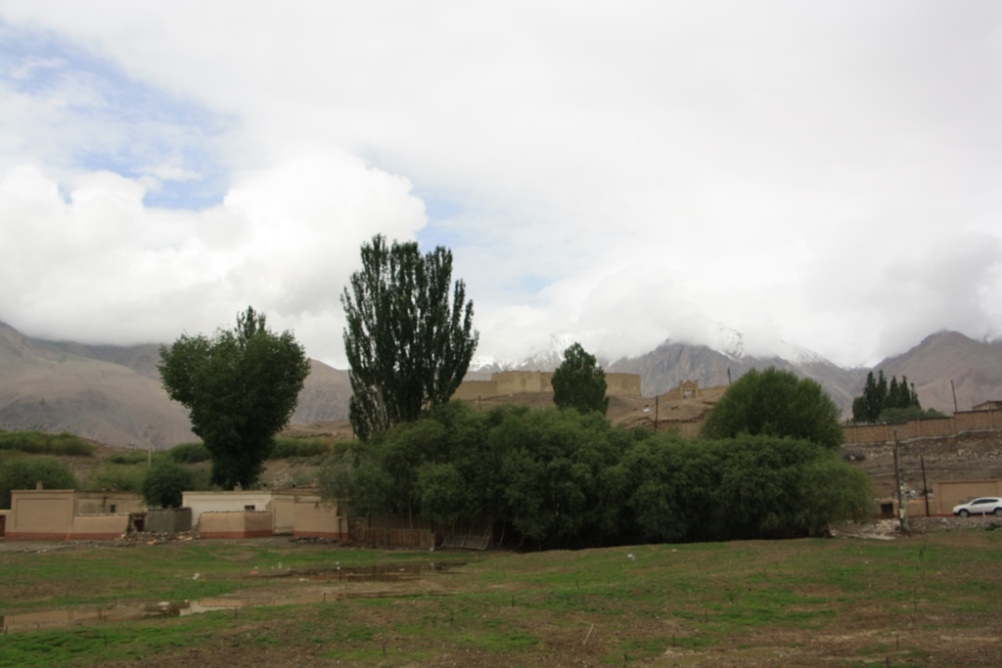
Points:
(66, 514)
(260, 513)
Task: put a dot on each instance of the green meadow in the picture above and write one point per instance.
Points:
(925, 600)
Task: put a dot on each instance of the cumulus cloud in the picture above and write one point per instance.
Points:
(99, 266)
(824, 174)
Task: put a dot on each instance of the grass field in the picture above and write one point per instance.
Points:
(932, 600)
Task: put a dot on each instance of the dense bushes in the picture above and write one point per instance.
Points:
(565, 478)
(747, 487)
(24, 472)
(189, 453)
(286, 448)
(39, 443)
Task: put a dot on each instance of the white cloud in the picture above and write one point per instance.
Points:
(100, 266)
(814, 172)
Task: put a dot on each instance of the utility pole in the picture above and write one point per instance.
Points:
(954, 390)
(656, 397)
(902, 507)
(925, 486)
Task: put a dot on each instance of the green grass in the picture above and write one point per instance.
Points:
(627, 605)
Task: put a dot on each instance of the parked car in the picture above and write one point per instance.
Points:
(984, 505)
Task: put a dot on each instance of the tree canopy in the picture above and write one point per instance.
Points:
(776, 403)
(24, 472)
(548, 478)
(579, 382)
(409, 337)
(163, 485)
(240, 387)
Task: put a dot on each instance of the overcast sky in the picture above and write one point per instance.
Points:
(827, 174)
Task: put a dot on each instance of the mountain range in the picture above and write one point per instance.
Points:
(113, 394)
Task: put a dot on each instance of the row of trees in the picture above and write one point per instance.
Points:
(889, 402)
(765, 467)
(562, 477)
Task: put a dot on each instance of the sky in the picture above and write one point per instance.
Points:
(824, 174)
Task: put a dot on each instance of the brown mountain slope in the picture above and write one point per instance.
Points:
(112, 394)
(671, 363)
(51, 389)
(975, 367)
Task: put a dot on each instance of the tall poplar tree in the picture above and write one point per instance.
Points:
(877, 397)
(409, 337)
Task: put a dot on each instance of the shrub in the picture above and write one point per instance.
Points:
(39, 443)
(189, 453)
(286, 448)
(23, 473)
(118, 477)
(164, 483)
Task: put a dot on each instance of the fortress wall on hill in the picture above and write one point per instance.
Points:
(523, 382)
(471, 390)
(622, 384)
(520, 382)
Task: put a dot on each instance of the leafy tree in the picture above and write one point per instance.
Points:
(559, 479)
(164, 483)
(775, 403)
(240, 388)
(408, 341)
(579, 382)
(24, 472)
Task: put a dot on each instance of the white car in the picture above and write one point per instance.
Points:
(985, 505)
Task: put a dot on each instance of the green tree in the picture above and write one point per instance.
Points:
(25, 472)
(163, 484)
(579, 382)
(408, 340)
(240, 387)
(740, 488)
(878, 397)
(776, 403)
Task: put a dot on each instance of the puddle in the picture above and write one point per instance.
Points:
(38, 620)
(363, 574)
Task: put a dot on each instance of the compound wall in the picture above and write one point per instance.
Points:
(965, 421)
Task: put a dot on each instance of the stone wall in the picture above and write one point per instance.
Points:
(168, 520)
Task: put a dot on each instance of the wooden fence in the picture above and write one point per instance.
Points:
(413, 539)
